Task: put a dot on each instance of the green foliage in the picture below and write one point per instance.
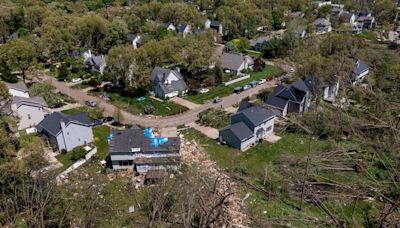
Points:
(3, 90)
(277, 20)
(214, 117)
(63, 72)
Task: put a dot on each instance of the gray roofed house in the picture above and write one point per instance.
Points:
(361, 69)
(295, 98)
(65, 132)
(214, 25)
(301, 31)
(17, 89)
(95, 62)
(131, 148)
(248, 126)
(30, 111)
(237, 62)
(183, 29)
(348, 17)
(258, 43)
(322, 25)
(367, 21)
(170, 26)
(167, 83)
(135, 39)
(327, 89)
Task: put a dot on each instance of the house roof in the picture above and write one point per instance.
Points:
(277, 102)
(234, 61)
(33, 101)
(197, 31)
(17, 86)
(283, 94)
(259, 40)
(360, 67)
(52, 123)
(125, 140)
(256, 114)
(181, 27)
(299, 30)
(240, 130)
(300, 85)
(132, 36)
(214, 23)
(322, 21)
(159, 75)
(97, 60)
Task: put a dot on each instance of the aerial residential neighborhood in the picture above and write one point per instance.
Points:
(199, 113)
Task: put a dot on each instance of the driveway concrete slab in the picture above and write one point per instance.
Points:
(208, 131)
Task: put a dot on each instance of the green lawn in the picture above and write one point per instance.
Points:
(131, 104)
(100, 135)
(222, 90)
(93, 113)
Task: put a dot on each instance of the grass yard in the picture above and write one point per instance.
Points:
(273, 159)
(159, 108)
(100, 134)
(222, 90)
(93, 113)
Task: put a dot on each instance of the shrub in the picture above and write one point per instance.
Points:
(149, 109)
(217, 118)
(77, 153)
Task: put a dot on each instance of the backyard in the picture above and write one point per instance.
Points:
(146, 105)
(278, 168)
(222, 90)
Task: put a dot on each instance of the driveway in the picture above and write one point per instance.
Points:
(186, 103)
(210, 132)
(158, 122)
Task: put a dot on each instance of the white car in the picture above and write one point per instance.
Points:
(262, 81)
(204, 90)
(75, 80)
(246, 87)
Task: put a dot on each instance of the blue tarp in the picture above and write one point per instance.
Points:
(110, 137)
(141, 98)
(155, 141)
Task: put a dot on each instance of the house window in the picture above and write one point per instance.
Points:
(39, 109)
(269, 128)
(79, 140)
(67, 133)
(29, 116)
(125, 163)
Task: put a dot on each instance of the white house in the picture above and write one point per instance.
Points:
(183, 29)
(94, 62)
(237, 62)
(30, 111)
(135, 39)
(214, 25)
(18, 89)
(322, 26)
(167, 83)
(170, 26)
(249, 125)
(361, 70)
(65, 132)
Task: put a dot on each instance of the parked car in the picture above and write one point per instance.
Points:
(75, 80)
(204, 90)
(246, 87)
(57, 104)
(108, 119)
(91, 103)
(253, 83)
(291, 70)
(238, 89)
(269, 78)
(262, 81)
(97, 122)
(217, 99)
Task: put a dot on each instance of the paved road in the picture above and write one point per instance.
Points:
(156, 122)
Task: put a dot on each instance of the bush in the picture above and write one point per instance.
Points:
(149, 109)
(216, 118)
(77, 153)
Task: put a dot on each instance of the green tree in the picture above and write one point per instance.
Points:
(21, 55)
(251, 26)
(63, 72)
(277, 20)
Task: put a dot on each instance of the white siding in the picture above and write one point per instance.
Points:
(75, 135)
(18, 93)
(29, 116)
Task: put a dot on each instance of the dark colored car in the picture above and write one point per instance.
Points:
(238, 89)
(108, 119)
(97, 122)
(217, 99)
(253, 84)
(57, 104)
